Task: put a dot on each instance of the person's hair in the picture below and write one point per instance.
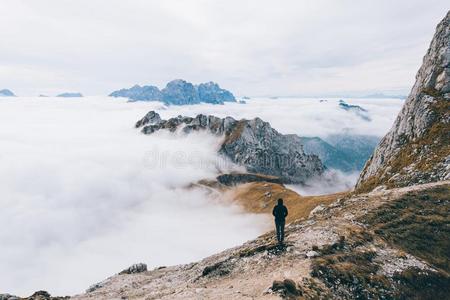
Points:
(280, 201)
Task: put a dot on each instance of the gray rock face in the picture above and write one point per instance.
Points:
(6, 93)
(150, 118)
(250, 143)
(416, 149)
(139, 93)
(210, 92)
(70, 95)
(178, 92)
(39, 295)
(136, 268)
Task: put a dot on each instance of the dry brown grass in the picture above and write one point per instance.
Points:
(261, 197)
(235, 134)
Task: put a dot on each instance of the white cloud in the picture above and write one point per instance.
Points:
(83, 196)
(332, 181)
(252, 47)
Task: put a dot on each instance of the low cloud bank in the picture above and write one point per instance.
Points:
(332, 181)
(84, 195)
(305, 117)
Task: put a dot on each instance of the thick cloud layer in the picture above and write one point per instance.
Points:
(84, 194)
(305, 117)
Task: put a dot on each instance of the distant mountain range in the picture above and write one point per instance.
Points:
(250, 143)
(345, 152)
(6, 93)
(178, 92)
(381, 95)
(70, 95)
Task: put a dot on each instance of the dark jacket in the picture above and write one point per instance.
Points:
(280, 212)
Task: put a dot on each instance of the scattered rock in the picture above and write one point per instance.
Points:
(219, 269)
(312, 253)
(316, 210)
(136, 268)
(287, 288)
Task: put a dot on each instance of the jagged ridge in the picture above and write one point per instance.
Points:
(251, 143)
(178, 92)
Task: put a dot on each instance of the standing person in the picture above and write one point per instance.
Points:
(280, 213)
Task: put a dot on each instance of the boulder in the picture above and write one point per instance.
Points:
(136, 268)
(180, 92)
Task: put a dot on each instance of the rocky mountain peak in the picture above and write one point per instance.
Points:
(178, 92)
(417, 148)
(250, 143)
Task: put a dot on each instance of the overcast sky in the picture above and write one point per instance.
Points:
(250, 47)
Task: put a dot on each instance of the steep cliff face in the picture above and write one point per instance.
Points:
(417, 148)
(251, 143)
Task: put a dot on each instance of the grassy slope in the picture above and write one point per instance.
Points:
(261, 197)
(417, 223)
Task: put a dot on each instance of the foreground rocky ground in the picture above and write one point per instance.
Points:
(388, 244)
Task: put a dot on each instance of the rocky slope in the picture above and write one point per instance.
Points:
(178, 92)
(250, 143)
(417, 148)
(367, 246)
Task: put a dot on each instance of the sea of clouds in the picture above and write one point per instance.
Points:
(83, 194)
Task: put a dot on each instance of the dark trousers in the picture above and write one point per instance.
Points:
(279, 225)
